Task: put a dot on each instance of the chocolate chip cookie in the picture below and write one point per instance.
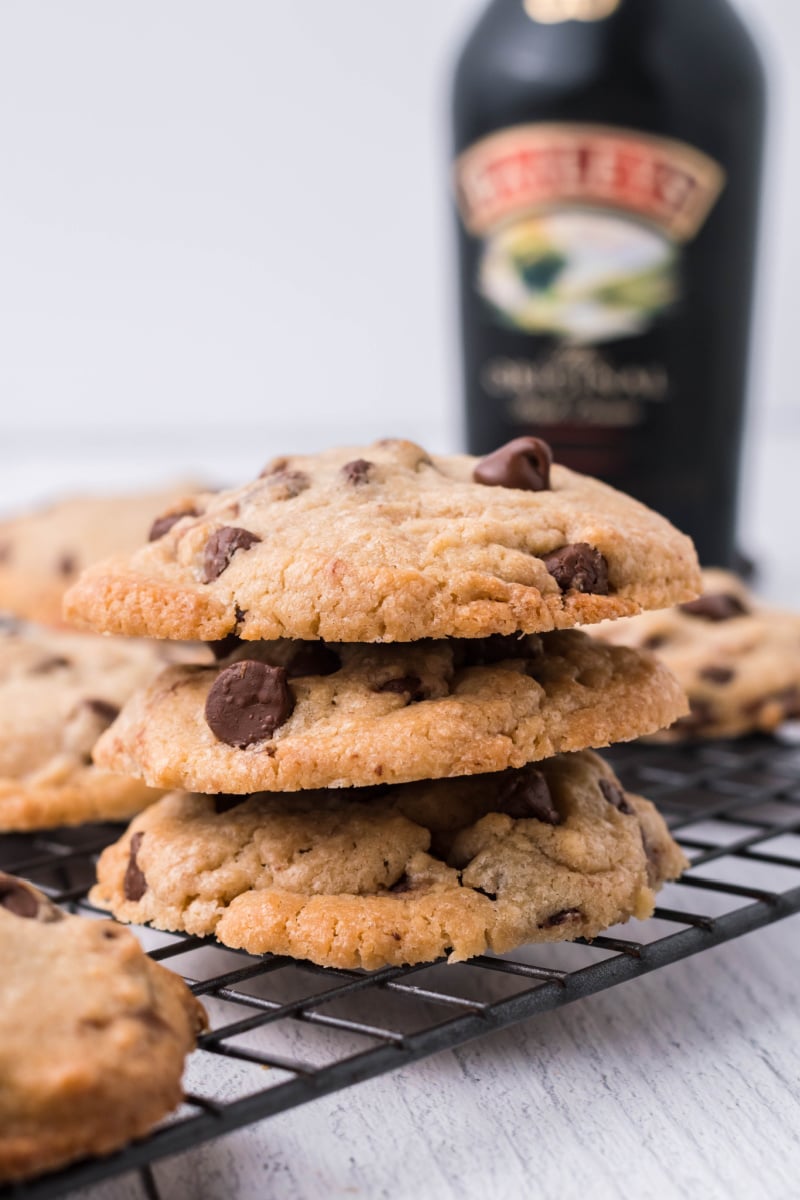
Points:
(399, 874)
(278, 716)
(93, 1035)
(58, 693)
(738, 659)
(387, 543)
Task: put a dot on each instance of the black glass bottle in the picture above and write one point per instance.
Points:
(607, 168)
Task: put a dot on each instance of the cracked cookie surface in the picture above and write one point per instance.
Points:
(42, 553)
(366, 714)
(400, 874)
(737, 658)
(58, 693)
(93, 1035)
(386, 543)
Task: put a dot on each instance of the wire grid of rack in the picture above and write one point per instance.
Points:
(734, 807)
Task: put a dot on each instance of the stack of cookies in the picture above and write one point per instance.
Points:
(390, 760)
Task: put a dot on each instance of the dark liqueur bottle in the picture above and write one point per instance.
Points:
(607, 168)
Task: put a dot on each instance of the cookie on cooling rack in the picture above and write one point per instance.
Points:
(403, 874)
(388, 543)
(278, 716)
(738, 659)
(43, 552)
(93, 1035)
(58, 693)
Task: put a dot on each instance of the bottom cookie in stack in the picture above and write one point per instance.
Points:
(397, 874)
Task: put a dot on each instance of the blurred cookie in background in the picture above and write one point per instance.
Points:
(58, 693)
(738, 659)
(43, 552)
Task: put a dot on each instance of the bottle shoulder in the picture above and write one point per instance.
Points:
(659, 59)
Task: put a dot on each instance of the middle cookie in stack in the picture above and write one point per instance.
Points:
(398, 816)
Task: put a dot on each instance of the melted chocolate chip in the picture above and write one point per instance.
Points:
(288, 484)
(718, 675)
(162, 525)
(54, 663)
(106, 711)
(221, 547)
(579, 567)
(614, 794)
(313, 658)
(67, 565)
(224, 803)
(561, 918)
(247, 703)
(410, 685)
(523, 463)
(357, 471)
(134, 885)
(17, 898)
(524, 795)
(716, 606)
(225, 646)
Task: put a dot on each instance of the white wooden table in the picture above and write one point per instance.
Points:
(684, 1083)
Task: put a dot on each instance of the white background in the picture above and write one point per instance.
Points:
(225, 230)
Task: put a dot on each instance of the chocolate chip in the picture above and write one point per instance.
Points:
(716, 606)
(357, 471)
(495, 649)
(54, 663)
(67, 565)
(524, 794)
(17, 898)
(221, 547)
(104, 709)
(561, 918)
(224, 803)
(225, 646)
(655, 641)
(274, 467)
(313, 658)
(288, 484)
(523, 463)
(615, 795)
(579, 567)
(247, 703)
(134, 885)
(162, 525)
(239, 615)
(717, 674)
(410, 685)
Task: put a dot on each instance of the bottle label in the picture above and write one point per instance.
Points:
(581, 226)
(551, 12)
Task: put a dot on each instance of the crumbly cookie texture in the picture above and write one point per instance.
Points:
(58, 693)
(397, 875)
(42, 553)
(738, 659)
(93, 1035)
(357, 715)
(386, 543)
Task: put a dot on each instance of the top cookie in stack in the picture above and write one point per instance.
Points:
(387, 543)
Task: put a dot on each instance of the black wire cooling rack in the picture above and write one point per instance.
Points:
(735, 808)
